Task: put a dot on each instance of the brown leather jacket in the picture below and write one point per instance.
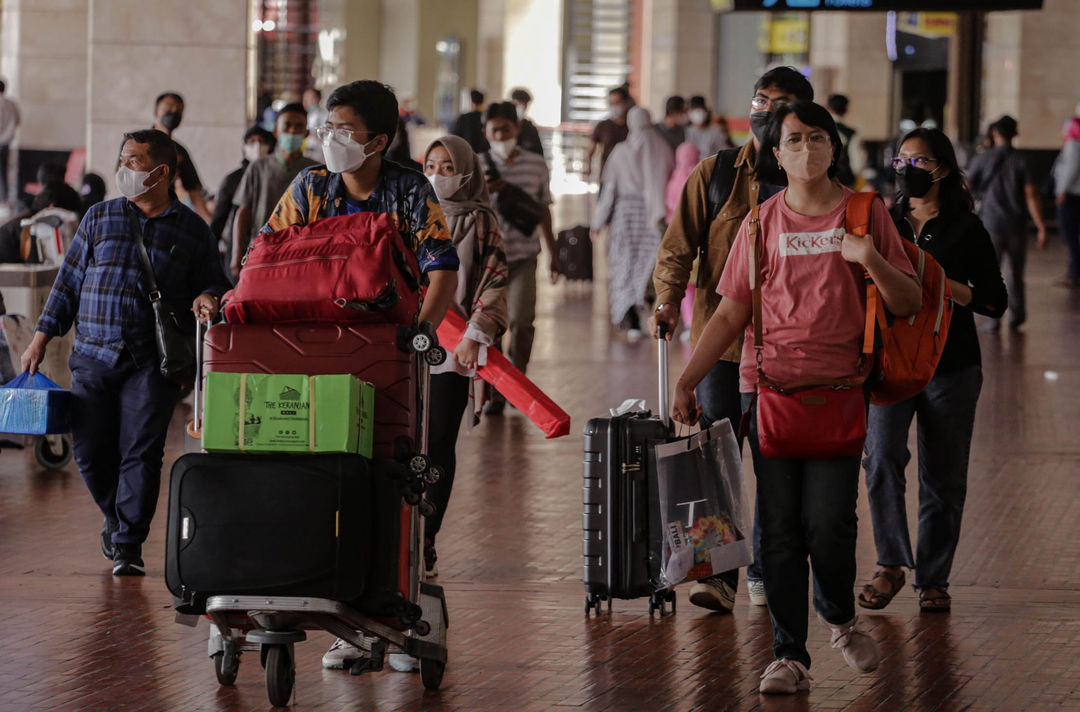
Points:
(689, 227)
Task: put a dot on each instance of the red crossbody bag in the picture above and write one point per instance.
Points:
(806, 419)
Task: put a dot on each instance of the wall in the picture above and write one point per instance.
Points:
(438, 19)
(363, 21)
(399, 54)
(140, 48)
(533, 56)
(1031, 70)
(847, 56)
(43, 51)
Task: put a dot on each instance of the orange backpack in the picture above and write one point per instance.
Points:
(906, 351)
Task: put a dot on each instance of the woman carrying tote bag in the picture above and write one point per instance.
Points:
(806, 368)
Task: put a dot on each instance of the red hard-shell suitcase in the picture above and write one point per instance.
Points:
(371, 352)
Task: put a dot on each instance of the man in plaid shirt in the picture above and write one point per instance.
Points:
(122, 403)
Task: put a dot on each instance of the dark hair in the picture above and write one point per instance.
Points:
(161, 149)
(1006, 126)
(58, 194)
(293, 108)
(697, 102)
(168, 95)
(838, 104)
(788, 80)
(93, 190)
(674, 105)
(317, 92)
(476, 97)
(810, 114)
(622, 91)
(501, 110)
(373, 101)
(953, 195)
(522, 95)
(263, 135)
(3, 87)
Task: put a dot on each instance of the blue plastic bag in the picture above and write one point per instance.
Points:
(34, 405)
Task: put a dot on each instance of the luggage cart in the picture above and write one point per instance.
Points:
(272, 625)
(25, 289)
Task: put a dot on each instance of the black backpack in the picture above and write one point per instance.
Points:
(721, 182)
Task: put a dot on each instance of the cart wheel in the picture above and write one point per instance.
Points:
(421, 342)
(435, 356)
(280, 675)
(226, 670)
(431, 673)
(49, 458)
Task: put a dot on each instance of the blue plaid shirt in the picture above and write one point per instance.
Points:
(101, 287)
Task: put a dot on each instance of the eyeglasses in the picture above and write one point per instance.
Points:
(762, 103)
(325, 133)
(915, 161)
(814, 141)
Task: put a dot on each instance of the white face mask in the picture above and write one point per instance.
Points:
(130, 182)
(446, 186)
(698, 116)
(345, 157)
(254, 151)
(503, 149)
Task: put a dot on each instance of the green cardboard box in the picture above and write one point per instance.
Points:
(285, 413)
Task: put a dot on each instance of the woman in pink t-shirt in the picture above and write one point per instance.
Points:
(813, 308)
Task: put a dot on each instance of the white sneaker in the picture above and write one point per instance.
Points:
(342, 654)
(712, 594)
(756, 590)
(784, 677)
(402, 662)
(860, 650)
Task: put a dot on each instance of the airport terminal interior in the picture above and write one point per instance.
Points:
(517, 630)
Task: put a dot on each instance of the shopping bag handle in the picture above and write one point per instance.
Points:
(38, 380)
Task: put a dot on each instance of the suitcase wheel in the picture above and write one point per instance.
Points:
(593, 601)
(658, 601)
(421, 342)
(431, 673)
(419, 464)
(280, 674)
(433, 474)
(435, 356)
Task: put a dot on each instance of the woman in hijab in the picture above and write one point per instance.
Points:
(1067, 196)
(632, 203)
(456, 174)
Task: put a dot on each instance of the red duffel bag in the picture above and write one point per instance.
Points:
(345, 269)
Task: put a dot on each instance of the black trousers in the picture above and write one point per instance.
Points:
(448, 395)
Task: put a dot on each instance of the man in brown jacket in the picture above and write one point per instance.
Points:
(716, 198)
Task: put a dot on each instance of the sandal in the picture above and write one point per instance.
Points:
(876, 600)
(935, 600)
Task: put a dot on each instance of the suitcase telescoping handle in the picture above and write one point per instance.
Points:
(664, 404)
(196, 420)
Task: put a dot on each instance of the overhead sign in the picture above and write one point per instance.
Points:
(880, 5)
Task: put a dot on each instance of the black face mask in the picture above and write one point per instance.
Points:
(758, 121)
(914, 182)
(171, 120)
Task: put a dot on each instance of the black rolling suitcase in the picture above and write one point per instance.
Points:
(285, 525)
(621, 524)
(575, 250)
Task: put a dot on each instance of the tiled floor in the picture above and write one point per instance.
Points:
(75, 638)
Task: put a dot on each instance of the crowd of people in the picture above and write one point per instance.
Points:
(685, 210)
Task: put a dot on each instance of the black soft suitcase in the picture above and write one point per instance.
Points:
(575, 250)
(286, 525)
(622, 536)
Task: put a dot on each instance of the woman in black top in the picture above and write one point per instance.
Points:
(934, 210)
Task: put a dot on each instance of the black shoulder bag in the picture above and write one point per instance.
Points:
(175, 346)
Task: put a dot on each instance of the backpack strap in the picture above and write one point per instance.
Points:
(857, 222)
(721, 181)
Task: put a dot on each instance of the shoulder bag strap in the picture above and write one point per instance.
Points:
(755, 285)
(857, 222)
(144, 259)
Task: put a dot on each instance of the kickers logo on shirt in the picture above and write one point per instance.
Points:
(794, 244)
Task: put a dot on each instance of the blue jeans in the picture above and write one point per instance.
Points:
(120, 417)
(807, 511)
(946, 410)
(719, 397)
